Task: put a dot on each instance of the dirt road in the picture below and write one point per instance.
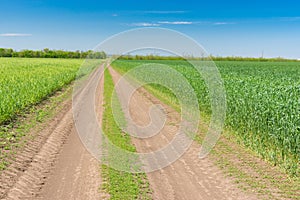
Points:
(187, 178)
(56, 165)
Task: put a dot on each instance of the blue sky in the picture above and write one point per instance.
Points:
(240, 28)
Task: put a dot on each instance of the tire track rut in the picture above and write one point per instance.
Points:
(30, 170)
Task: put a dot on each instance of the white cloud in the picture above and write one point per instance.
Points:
(176, 22)
(222, 23)
(15, 35)
(144, 24)
(165, 11)
(115, 15)
(161, 23)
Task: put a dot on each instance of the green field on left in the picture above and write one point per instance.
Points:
(27, 81)
(30, 91)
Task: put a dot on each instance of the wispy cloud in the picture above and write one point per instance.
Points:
(115, 15)
(176, 22)
(144, 24)
(161, 23)
(289, 19)
(223, 23)
(15, 35)
(194, 22)
(165, 11)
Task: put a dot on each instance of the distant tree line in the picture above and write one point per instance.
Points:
(47, 53)
(214, 58)
(148, 57)
(261, 59)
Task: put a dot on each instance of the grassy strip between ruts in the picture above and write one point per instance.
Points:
(15, 134)
(120, 184)
(249, 172)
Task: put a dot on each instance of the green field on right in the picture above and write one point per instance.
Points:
(263, 103)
